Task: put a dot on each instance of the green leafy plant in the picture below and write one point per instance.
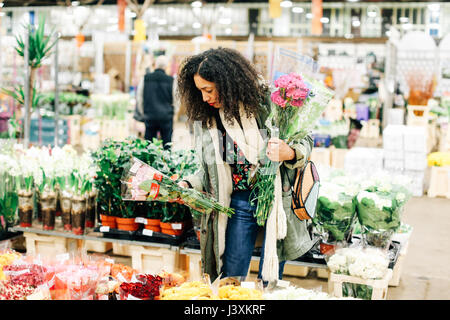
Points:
(174, 212)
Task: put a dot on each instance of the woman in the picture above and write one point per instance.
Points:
(228, 104)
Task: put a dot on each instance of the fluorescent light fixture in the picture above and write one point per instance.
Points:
(324, 20)
(297, 10)
(225, 21)
(403, 19)
(309, 15)
(434, 7)
(196, 4)
(196, 25)
(356, 23)
(286, 4)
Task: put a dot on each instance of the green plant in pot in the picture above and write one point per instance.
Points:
(175, 219)
(153, 215)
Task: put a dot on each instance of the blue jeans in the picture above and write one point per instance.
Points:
(240, 238)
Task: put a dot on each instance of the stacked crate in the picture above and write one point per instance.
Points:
(359, 161)
(405, 152)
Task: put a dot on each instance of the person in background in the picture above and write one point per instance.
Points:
(154, 102)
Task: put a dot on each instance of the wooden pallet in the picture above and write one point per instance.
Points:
(155, 259)
(45, 245)
(380, 287)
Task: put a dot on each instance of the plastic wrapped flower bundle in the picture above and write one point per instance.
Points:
(335, 213)
(365, 263)
(379, 207)
(143, 182)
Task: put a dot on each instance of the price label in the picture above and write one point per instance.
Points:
(104, 229)
(177, 226)
(147, 232)
(140, 220)
(248, 284)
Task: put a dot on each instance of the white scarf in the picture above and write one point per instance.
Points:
(252, 144)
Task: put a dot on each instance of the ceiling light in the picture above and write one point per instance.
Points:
(225, 21)
(196, 25)
(196, 4)
(309, 15)
(297, 10)
(286, 4)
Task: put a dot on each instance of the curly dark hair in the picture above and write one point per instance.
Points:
(235, 78)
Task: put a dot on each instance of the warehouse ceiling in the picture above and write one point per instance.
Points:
(22, 3)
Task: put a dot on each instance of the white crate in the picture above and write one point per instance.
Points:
(415, 139)
(393, 154)
(380, 287)
(415, 161)
(393, 137)
(358, 160)
(394, 164)
(396, 116)
(418, 179)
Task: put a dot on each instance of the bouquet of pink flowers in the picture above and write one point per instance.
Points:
(296, 105)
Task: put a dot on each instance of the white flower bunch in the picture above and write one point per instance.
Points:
(294, 293)
(380, 202)
(368, 263)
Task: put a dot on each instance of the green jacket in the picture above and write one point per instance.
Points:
(297, 241)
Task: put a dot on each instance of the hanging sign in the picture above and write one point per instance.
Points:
(121, 5)
(316, 24)
(139, 29)
(274, 8)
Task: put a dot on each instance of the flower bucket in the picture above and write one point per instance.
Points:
(153, 224)
(90, 210)
(108, 221)
(173, 228)
(48, 209)
(66, 211)
(25, 208)
(127, 224)
(78, 215)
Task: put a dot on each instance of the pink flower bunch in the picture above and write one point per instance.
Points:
(292, 90)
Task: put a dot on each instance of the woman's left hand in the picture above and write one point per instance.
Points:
(278, 150)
